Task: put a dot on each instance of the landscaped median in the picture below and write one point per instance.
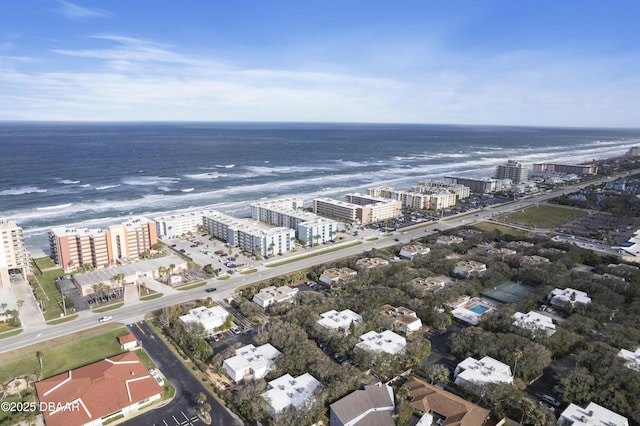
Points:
(191, 286)
(296, 258)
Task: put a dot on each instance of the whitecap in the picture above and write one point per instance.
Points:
(23, 190)
(187, 190)
(55, 207)
(69, 182)
(100, 188)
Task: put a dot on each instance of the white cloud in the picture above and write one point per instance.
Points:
(134, 79)
(77, 13)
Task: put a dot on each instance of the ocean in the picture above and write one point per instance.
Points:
(96, 174)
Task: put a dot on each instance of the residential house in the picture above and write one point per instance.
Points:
(334, 276)
(568, 296)
(287, 391)
(467, 268)
(272, 295)
(372, 406)
(209, 318)
(440, 407)
(412, 250)
(371, 262)
(592, 415)
(429, 283)
(481, 372)
(449, 240)
(386, 341)
(250, 362)
(404, 319)
(632, 358)
(534, 321)
(334, 320)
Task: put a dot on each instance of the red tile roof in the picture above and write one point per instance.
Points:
(127, 338)
(97, 389)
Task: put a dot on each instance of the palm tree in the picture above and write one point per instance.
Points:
(517, 354)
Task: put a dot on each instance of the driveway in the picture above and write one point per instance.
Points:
(180, 411)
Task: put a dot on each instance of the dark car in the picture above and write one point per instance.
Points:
(210, 289)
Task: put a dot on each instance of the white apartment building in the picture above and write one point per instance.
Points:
(513, 170)
(14, 257)
(248, 235)
(592, 415)
(287, 391)
(387, 341)
(209, 318)
(272, 295)
(250, 362)
(310, 228)
(481, 372)
(534, 321)
(334, 320)
(176, 225)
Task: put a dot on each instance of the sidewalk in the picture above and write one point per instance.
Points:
(30, 315)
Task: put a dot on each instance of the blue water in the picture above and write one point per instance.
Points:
(479, 309)
(93, 174)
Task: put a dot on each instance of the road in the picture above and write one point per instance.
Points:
(181, 410)
(131, 313)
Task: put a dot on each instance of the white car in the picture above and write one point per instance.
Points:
(105, 319)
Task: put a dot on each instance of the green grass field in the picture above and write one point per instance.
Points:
(49, 294)
(543, 216)
(58, 359)
(487, 226)
(190, 286)
(107, 308)
(44, 262)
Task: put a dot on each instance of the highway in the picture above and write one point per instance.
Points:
(134, 312)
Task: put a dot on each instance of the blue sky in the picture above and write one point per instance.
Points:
(554, 63)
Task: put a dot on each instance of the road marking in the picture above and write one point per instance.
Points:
(176, 420)
(185, 416)
(140, 328)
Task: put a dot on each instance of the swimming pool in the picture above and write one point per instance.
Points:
(479, 309)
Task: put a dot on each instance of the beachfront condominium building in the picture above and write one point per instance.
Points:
(14, 257)
(436, 187)
(248, 235)
(580, 169)
(513, 170)
(99, 248)
(177, 225)
(310, 229)
(417, 200)
(480, 185)
(358, 208)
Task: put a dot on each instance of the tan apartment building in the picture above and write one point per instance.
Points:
(14, 257)
(76, 247)
(358, 208)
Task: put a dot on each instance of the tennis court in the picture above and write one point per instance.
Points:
(507, 292)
